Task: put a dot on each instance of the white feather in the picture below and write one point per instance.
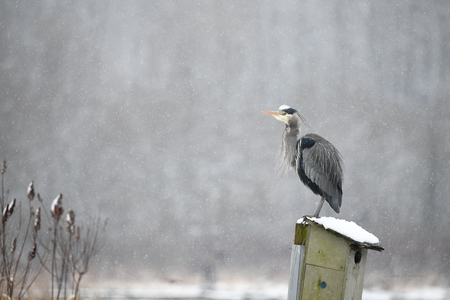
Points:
(284, 106)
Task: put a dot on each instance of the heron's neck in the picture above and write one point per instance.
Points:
(290, 141)
(292, 131)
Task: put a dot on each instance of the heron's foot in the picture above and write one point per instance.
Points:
(310, 216)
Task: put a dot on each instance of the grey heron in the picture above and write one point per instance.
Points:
(317, 162)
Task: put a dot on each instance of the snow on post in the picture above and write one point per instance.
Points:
(348, 229)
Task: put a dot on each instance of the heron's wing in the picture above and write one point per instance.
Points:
(323, 166)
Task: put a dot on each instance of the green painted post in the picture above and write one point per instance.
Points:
(326, 264)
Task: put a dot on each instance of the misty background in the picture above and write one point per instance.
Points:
(148, 113)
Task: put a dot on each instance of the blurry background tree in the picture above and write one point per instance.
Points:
(151, 112)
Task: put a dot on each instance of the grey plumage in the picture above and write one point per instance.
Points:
(323, 166)
(317, 162)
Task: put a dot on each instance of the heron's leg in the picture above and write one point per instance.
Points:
(316, 214)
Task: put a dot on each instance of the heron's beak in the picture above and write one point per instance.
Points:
(276, 115)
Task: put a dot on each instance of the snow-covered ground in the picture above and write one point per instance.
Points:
(247, 291)
(424, 293)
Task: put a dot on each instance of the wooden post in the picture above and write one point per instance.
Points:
(326, 264)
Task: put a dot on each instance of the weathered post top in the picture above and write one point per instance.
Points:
(347, 229)
(328, 259)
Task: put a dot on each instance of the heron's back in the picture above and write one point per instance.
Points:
(320, 167)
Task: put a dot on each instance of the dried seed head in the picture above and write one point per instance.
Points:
(11, 283)
(11, 206)
(30, 191)
(70, 218)
(56, 208)
(78, 234)
(4, 167)
(13, 245)
(32, 253)
(39, 197)
(37, 219)
(8, 211)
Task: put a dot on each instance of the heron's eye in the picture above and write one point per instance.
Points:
(283, 113)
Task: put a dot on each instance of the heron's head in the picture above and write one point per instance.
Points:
(288, 115)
